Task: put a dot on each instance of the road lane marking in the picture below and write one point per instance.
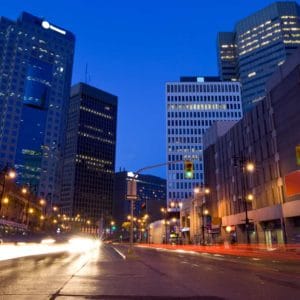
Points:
(119, 252)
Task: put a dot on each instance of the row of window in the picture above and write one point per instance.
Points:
(184, 140)
(206, 115)
(204, 98)
(191, 131)
(203, 88)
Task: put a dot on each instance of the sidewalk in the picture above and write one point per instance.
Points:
(284, 252)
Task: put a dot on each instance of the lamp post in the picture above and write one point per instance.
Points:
(204, 212)
(7, 174)
(246, 167)
(43, 203)
(164, 212)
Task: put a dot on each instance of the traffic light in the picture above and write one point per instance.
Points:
(188, 169)
(298, 155)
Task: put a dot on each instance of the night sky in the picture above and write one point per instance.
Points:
(132, 47)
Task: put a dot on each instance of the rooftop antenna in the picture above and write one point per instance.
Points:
(87, 76)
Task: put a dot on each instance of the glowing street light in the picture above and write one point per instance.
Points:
(250, 167)
(250, 197)
(42, 202)
(12, 174)
(5, 200)
(196, 190)
(228, 228)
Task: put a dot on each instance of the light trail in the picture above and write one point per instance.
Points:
(76, 245)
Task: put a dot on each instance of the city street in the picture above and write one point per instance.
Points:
(105, 273)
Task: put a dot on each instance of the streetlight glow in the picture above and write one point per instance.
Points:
(12, 174)
(24, 190)
(5, 200)
(250, 197)
(42, 202)
(250, 167)
(196, 190)
(207, 191)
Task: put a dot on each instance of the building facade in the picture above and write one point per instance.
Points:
(193, 104)
(263, 205)
(151, 193)
(36, 60)
(258, 45)
(89, 156)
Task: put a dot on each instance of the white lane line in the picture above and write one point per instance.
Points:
(254, 258)
(218, 255)
(120, 253)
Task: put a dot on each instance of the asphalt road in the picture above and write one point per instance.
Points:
(104, 274)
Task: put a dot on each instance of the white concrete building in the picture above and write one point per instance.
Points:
(192, 105)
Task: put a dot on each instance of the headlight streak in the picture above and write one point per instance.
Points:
(76, 245)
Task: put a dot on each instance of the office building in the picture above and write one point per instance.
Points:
(89, 156)
(151, 193)
(192, 105)
(262, 205)
(36, 59)
(257, 46)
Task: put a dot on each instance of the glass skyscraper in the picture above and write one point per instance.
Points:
(89, 157)
(259, 44)
(36, 59)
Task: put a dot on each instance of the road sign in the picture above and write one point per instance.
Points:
(131, 190)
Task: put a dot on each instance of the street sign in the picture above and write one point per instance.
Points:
(131, 190)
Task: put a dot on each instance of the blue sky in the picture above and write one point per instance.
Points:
(132, 48)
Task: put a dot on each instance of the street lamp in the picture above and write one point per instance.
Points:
(7, 174)
(204, 212)
(5, 200)
(250, 168)
(246, 167)
(165, 211)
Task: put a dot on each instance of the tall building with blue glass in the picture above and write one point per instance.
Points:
(257, 46)
(36, 59)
